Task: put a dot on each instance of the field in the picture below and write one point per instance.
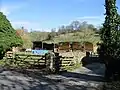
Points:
(82, 36)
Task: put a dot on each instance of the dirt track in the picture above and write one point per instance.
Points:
(89, 78)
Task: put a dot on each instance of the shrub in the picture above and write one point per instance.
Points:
(2, 52)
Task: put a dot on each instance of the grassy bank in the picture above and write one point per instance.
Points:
(71, 68)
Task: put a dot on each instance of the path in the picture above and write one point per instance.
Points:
(89, 78)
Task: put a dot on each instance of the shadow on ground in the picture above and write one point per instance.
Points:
(36, 80)
(93, 63)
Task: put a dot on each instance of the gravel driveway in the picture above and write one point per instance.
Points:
(85, 78)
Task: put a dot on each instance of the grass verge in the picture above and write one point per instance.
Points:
(71, 68)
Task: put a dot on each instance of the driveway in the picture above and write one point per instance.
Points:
(84, 78)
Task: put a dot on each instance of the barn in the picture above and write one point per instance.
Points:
(88, 46)
(76, 46)
(38, 45)
(64, 46)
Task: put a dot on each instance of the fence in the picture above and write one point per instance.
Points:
(67, 61)
(38, 61)
(9, 55)
(30, 60)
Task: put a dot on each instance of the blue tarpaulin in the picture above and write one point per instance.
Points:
(39, 52)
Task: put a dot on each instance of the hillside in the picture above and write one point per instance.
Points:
(53, 37)
(75, 32)
(38, 36)
(82, 36)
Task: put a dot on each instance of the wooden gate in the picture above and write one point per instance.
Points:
(33, 61)
(29, 61)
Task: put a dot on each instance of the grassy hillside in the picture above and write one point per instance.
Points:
(38, 36)
(77, 37)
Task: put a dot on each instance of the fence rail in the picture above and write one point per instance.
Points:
(67, 61)
(32, 60)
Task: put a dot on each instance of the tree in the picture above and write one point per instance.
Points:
(62, 30)
(1, 52)
(8, 37)
(25, 36)
(109, 32)
(69, 28)
(90, 26)
(52, 34)
(118, 22)
(83, 25)
(110, 37)
(76, 25)
(38, 35)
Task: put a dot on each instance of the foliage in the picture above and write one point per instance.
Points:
(110, 33)
(75, 26)
(115, 85)
(51, 35)
(73, 67)
(1, 52)
(8, 37)
(38, 36)
(86, 35)
(109, 50)
(75, 31)
(25, 37)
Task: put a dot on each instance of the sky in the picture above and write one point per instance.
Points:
(43, 15)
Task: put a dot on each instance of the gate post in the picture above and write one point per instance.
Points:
(53, 62)
(52, 56)
(50, 62)
(57, 63)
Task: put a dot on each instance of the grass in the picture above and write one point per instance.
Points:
(77, 37)
(2, 62)
(71, 68)
(26, 53)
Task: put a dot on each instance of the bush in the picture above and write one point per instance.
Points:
(2, 52)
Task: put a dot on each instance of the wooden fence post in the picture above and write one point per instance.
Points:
(58, 63)
(52, 56)
(49, 60)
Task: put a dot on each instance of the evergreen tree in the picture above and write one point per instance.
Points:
(8, 37)
(109, 32)
(110, 36)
